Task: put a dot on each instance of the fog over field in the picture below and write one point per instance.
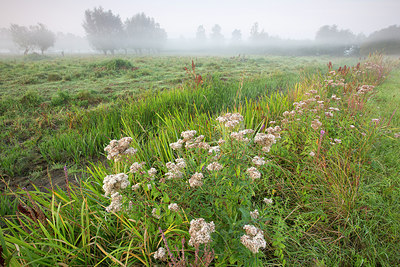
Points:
(226, 20)
(287, 18)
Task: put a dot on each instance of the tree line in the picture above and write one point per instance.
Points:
(29, 38)
(106, 32)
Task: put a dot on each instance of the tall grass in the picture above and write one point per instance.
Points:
(328, 207)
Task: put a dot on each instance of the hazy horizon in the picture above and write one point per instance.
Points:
(287, 19)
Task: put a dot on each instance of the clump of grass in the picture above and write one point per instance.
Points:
(31, 98)
(61, 98)
(53, 77)
(115, 64)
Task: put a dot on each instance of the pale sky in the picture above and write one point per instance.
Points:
(295, 19)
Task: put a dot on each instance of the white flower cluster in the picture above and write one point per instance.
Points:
(175, 169)
(177, 145)
(254, 214)
(268, 201)
(154, 213)
(161, 254)
(258, 161)
(197, 143)
(365, 89)
(275, 131)
(116, 204)
(253, 173)
(117, 148)
(253, 239)
(221, 141)
(200, 231)
(316, 124)
(239, 136)
(136, 167)
(113, 183)
(230, 120)
(214, 149)
(287, 113)
(188, 135)
(152, 172)
(191, 142)
(265, 140)
(135, 187)
(214, 166)
(196, 179)
(173, 207)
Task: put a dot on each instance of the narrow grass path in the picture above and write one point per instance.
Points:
(381, 190)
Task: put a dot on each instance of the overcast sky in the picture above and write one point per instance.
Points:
(296, 19)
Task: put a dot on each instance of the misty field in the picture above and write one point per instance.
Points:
(198, 161)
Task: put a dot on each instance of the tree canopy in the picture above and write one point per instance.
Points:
(35, 36)
(201, 33)
(332, 35)
(106, 32)
(216, 35)
(143, 32)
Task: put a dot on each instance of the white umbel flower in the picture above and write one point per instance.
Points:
(114, 182)
(253, 239)
(200, 231)
(161, 254)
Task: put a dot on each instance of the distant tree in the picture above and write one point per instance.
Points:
(332, 35)
(236, 36)
(143, 32)
(201, 33)
(254, 31)
(390, 33)
(385, 41)
(103, 29)
(256, 36)
(6, 42)
(22, 36)
(71, 43)
(216, 35)
(37, 36)
(42, 37)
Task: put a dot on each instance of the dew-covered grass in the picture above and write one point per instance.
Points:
(224, 173)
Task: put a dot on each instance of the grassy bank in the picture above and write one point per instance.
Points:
(61, 111)
(303, 177)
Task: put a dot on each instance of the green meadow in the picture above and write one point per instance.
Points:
(230, 161)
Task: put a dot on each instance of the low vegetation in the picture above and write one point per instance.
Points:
(61, 111)
(280, 168)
